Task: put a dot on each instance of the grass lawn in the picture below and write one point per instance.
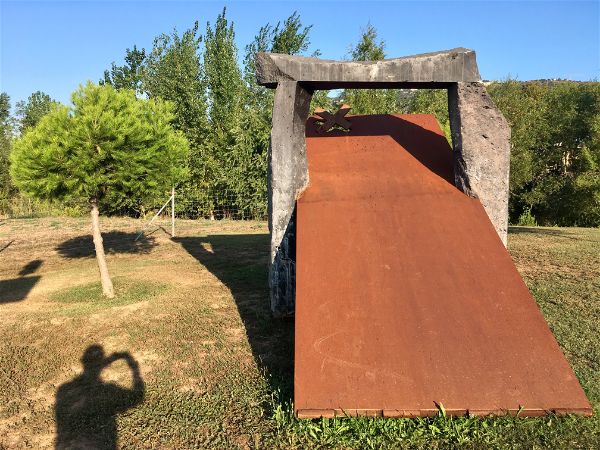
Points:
(187, 356)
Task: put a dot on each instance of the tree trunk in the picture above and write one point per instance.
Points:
(107, 286)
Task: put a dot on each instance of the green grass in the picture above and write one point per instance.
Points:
(218, 371)
(88, 297)
(126, 292)
(445, 432)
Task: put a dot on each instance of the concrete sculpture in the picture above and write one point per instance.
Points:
(480, 136)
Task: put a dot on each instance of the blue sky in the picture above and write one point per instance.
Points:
(54, 46)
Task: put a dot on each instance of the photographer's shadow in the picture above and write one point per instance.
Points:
(86, 408)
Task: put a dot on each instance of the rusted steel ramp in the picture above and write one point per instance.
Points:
(405, 295)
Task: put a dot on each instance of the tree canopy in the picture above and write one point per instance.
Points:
(108, 146)
(31, 111)
(555, 154)
(129, 75)
(5, 147)
(370, 101)
(555, 147)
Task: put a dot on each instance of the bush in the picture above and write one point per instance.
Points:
(526, 219)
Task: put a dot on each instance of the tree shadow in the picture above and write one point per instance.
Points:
(17, 289)
(31, 267)
(241, 263)
(114, 242)
(86, 407)
(428, 147)
(556, 232)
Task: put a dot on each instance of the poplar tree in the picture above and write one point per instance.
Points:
(174, 71)
(370, 101)
(250, 168)
(107, 145)
(225, 92)
(6, 188)
(130, 74)
(31, 111)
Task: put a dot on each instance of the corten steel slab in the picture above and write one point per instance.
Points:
(405, 295)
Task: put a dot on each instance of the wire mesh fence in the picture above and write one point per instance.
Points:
(21, 207)
(215, 205)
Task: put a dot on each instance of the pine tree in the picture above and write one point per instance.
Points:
(108, 145)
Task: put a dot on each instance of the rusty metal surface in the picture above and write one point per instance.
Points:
(405, 295)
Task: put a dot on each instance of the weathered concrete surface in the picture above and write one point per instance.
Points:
(481, 141)
(448, 66)
(288, 177)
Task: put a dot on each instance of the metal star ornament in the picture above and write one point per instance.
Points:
(330, 120)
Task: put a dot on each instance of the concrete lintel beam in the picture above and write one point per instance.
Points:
(448, 66)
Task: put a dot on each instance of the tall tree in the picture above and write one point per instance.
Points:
(250, 156)
(5, 146)
(223, 77)
(107, 144)
(258, 98)
(174, 72)
(370, 101)
(250, 168)
(31, 111)
(225, 90)
(291, 37)
(129, 75)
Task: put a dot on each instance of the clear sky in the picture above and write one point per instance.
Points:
(54, 46)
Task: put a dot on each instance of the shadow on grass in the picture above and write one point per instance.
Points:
(114, 242)
(556, 232)
(241, 263)
(17, 289)
(86, 407)
(31, 267)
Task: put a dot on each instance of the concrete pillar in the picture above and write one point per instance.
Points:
(288, 177)
(481, 141)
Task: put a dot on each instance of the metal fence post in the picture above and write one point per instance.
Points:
(173, 212)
